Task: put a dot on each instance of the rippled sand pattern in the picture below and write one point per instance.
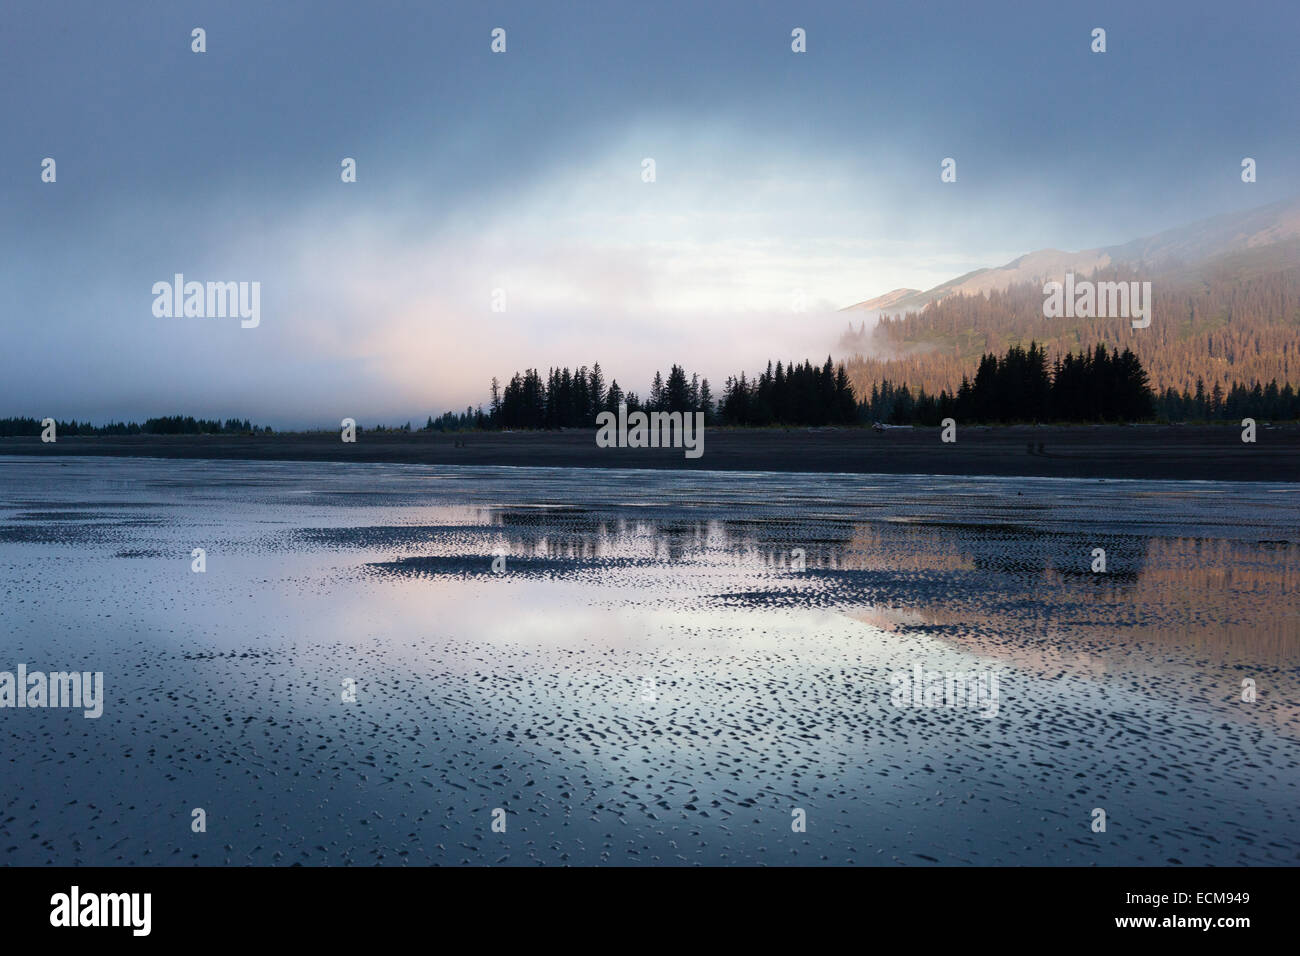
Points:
(652, 677)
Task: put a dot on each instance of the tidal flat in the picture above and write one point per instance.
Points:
(645, 667)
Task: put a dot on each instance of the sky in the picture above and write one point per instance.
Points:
(780, 178)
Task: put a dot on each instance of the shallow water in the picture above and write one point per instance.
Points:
(650, 677)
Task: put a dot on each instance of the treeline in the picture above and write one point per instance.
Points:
(166, 425)
(1265, 403)
(1101, 385)
(188, 425)
(453, 422)
(790, 395)
(573, 398)
(787, 394)
(1096, 386)
(1021, 385)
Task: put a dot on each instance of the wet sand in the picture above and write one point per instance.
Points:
(652, 676)
(1171, 452)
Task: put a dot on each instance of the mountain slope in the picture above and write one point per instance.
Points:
(1219, 235)
(1230, 317)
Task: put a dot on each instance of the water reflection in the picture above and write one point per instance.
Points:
(765, 612)
(1217, 598)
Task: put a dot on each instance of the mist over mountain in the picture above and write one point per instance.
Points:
(1164, 251)
(1226, 307)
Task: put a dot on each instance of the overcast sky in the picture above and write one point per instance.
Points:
(775, 171)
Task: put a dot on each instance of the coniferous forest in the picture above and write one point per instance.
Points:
(787, 394)
(166, 425)
(1022, 385)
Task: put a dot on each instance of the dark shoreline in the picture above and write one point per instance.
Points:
(1170, 452)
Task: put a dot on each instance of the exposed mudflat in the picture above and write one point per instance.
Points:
(1167, 452)
(645, 667)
